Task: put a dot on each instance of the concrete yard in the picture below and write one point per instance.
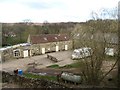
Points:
(40, 61)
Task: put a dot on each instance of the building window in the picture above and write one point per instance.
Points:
(16, 53)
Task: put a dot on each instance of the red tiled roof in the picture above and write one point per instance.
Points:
(45, 38)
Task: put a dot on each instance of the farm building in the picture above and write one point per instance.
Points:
(39, 44)
(5, 53)
(15, 52)
(44, 43)
(111, 39)
(21, 50)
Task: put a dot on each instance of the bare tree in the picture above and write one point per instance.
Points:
(94, 35)
(118, 45)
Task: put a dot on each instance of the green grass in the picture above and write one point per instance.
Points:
(30, 75)
(73, 65)
(53, 66)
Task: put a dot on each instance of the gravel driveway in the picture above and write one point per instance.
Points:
(41, 61)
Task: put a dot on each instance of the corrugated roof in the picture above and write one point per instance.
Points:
(21, 44)
(45, 38)
(5, 48)
(14, 46)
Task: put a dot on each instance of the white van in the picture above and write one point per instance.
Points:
(81, 53)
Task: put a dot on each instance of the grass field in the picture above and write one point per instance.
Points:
(30, 75)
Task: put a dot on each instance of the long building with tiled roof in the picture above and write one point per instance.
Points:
(44, 43)
(45, 38)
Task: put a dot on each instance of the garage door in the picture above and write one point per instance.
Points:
(43, 50)
(25, 53)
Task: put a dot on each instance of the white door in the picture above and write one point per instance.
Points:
(57, 48)
(66, 47)
(43, 50)
(25, 53)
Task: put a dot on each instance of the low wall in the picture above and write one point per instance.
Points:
(42, 83)
(29, 82)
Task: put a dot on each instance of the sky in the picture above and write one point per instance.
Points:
(51, 10)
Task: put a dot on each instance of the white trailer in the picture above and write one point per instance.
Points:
(110, 51)
(81, 53)
(85, 52)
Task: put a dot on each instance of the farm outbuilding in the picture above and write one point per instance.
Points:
(14, 52)
(5, 53)
(44, 43)
(22, 50)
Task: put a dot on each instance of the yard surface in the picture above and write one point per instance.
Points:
(42, 65)
(41, 61)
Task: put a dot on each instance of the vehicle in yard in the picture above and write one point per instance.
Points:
(86, 52)
(110, 51)
(81, 53)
